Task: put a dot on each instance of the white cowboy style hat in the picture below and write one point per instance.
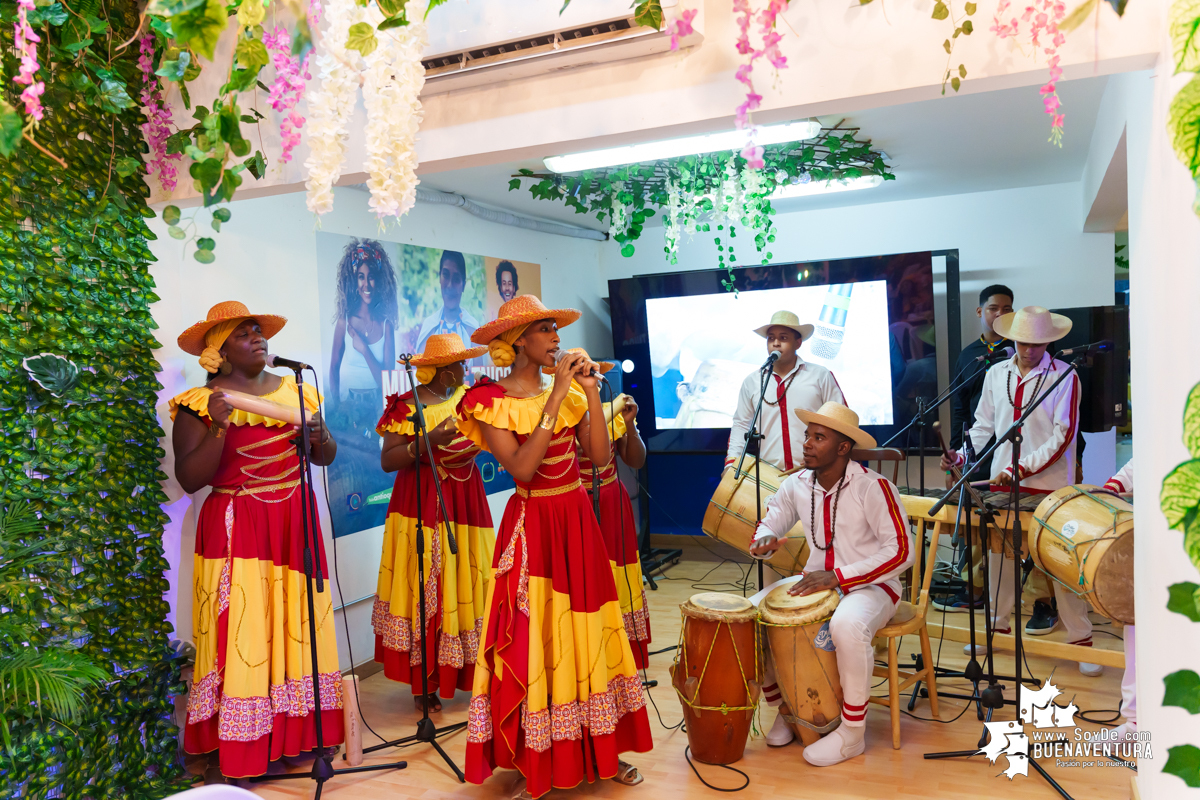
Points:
(839, 418)
(1032, 325)
(786, 319)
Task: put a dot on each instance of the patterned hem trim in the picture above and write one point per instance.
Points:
(637, 622)
(202, 697)
(399, 635)
(600, 714)
(245, 719)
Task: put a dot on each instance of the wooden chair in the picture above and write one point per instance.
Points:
(910, 618)
(880, 454)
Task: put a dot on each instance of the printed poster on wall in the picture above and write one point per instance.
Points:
(378, 300)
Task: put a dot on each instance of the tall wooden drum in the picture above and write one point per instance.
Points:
(730, 517)
(716, 674)
(797, 630)
(1083, 536)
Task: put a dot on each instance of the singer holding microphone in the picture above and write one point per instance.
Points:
(250, 701)
(557, 695)
(456, 585)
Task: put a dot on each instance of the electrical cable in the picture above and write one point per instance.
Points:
(687, 753)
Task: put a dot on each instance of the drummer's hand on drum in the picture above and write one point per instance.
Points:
(764, 547)
(813, 582)
(946, 462)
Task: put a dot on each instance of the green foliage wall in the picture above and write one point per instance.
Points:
(74, 281)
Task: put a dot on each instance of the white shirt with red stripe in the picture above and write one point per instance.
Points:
(872, 544)
(1048, 450)
(1122, 482)
(809, 386)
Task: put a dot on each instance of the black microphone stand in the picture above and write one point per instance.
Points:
(754, 436)
(427, 732)
(1015, 435)
(322, 768)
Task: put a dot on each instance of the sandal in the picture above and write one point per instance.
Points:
(435, 705)
(627, 774)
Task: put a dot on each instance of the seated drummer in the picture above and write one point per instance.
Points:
(796, 385)
(1122, 483)
(1047, 457)
(859, 543)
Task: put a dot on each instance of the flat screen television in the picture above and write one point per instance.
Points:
(691, 342)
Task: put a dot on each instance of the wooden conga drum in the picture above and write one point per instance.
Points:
(730, 517)
(1083, 536)
(797, 631)
(716, 674)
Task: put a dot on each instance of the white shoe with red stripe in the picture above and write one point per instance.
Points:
(1090, 670)
(780, 733)
(843, 743)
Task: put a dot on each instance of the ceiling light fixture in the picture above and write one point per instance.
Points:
(788, 190)
(684, 146)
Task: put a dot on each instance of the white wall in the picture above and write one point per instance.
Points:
(266, 259)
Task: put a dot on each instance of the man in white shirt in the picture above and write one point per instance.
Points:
(795, 385)
(859, 542)
(1047, 452)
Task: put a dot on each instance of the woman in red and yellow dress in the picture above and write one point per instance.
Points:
(455, 585)
(616, 520)
(557, 694)
(251, 698)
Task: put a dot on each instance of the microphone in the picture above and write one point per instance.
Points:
(286, 363)
(997, 355)
(1102, 346)
(559, 355)
(771, 359)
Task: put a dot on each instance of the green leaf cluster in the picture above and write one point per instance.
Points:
(1183, 116)
(83, 587)
(965, 27)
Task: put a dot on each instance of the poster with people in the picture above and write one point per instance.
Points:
(379, 300)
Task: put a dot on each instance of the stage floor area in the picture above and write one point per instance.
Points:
(774, 773)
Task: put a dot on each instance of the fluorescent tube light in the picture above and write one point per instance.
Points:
(685, 146)
(789, 190)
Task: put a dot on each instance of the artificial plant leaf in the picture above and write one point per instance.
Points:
(201, 26)
(941, 10)
(971, 7)
(206, 243)
(955, 83)
(361, 37)
(392, 8)
(171, 8)
(216, 224)
(435, 3)
(393, 22)
(53, 373)
(1078, 15)
(222, 214)
(968, 27)
(126, 166)
(1183, 761)
(1183, 124)
(252, 55)
(176, 232)
(256, 165)
(1191, 540)
(1191, 422)
(1183, 600)
(171, 215)
(1118, 6)
(1180, 494)
(53, 14)
(1182, 689)
(175, 69)
(649, 13)
(240, 80)
(10, 128)
(204, 256)
(515, 183)
(251, 13)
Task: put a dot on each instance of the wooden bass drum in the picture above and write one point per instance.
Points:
(730, 517)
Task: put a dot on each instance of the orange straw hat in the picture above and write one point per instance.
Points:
(522, 311)
(603, 366)
(442, 349)
(192, 340)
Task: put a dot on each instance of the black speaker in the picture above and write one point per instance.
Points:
(1105, 377)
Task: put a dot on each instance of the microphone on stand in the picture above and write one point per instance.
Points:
(771, 359)
(997, 355)
(286, 363)
(559, 355)
(1102, 346)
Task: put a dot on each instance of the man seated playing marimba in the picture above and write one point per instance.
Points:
(859, 543)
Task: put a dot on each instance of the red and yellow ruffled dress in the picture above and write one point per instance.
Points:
(620, 535)
(557, 693)
(455, 585)
(251, 696)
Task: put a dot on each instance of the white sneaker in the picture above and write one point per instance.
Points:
(1091, 670)
(981, 647)
(843, 743)
(780, 733)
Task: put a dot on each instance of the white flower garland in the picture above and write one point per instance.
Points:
(331, 104)
(391, 93)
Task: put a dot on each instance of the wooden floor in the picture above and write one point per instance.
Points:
(774, 773)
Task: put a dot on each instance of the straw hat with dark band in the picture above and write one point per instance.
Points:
(443, 349)
(1032, 325)
(603, 366)
(522, 311)
(786, 319)
(192, 340)
(836, 416)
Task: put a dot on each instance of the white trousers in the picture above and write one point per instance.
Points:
(1129, 680)
(858, 616)
(1072, 609)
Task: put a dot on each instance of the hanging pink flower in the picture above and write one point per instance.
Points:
(769, 49)
(288, 87)
(158, 120)
(1043, 17)
(678, 28)
(25, 42)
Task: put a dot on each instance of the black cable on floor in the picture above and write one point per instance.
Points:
(687, 753)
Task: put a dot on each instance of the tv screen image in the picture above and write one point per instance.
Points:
(699, 364)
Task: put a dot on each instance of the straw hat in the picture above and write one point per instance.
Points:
(839, 418)
(442, 349)
(522, 311)
(192, 340)
(1032, 325)
(788, 320)
(604, 366)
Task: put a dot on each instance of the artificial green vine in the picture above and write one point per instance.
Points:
(1183, 121)
(79, 438)
(706, 193)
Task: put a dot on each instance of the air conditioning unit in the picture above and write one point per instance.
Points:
(487, 41)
